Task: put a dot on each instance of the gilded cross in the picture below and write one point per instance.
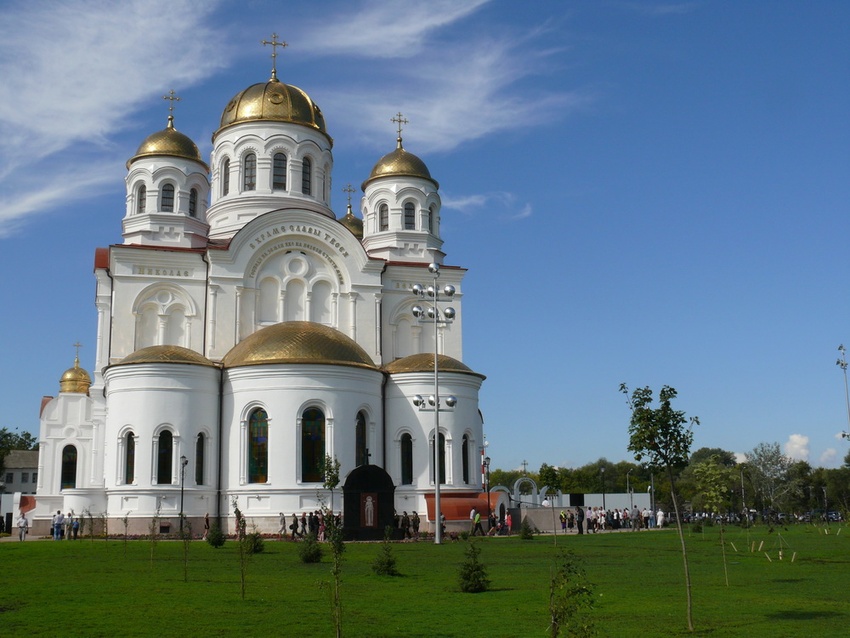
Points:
(399, 119)
(275, 44)
(348, 189)
(172, 98)
(77, 345)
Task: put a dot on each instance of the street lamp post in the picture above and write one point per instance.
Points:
(183, 463)
(431, 313)
(629, 490)
(604, 509)
(487, 478)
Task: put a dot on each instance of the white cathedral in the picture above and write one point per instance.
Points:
(244, 333)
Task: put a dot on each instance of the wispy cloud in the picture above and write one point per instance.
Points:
(797, 447)
(73, 75)
(466, 84)
(499, 201)
(828, 457)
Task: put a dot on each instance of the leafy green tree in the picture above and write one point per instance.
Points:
(724, 457)
(549, 477)
(770, 473)
(570, 598)
(14, 441)
(661, 438)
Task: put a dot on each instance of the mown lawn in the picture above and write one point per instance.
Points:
(101, 588)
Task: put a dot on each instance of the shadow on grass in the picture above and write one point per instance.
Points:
(798, 614)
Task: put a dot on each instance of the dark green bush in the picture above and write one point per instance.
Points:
(254, 543)
(309, 550)
(526, 531)
(473, 575)
(385, 561)
(215, 537)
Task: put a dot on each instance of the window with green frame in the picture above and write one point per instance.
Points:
(129, 458)
(406, 459)
(312, 445)
(258, 447)
(361, 453)
(164, 458)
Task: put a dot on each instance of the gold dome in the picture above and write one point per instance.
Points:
(273, 101)
(165, 354)
(297, 342)
(168, 142)
(400, 163)
(352, 223)
(424, 362)
(75, 379)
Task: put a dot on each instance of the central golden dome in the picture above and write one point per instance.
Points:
(273, 101)
(297, 342)
(169, 142)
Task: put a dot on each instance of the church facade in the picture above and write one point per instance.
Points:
(245, 334)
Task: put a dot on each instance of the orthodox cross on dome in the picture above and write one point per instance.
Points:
(400, 120)
(275, 44)
(172, 98)
(77, 347)
(348, 190)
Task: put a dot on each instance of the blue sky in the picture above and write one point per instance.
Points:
(643, 192)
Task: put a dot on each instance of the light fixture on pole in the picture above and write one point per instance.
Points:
(629, 490)
(183, 463)
(487, 475)
(431, 313)
(602, 472)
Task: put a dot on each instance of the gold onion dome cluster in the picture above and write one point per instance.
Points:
(75, 379)
(400, 163)
(298, 342)
(168, 142)
(273, 101)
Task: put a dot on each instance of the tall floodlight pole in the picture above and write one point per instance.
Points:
(629, 490)
(842, 363)
(183, 463)
(602, 472)
(429, 314)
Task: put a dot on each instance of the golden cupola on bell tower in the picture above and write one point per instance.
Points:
(75, 380)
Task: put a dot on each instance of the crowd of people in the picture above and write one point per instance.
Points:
(596, 519)
(309, 523)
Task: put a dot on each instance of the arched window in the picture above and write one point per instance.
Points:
(69, 467)
(312, 445)
(361, 453)
(465, 459)
(167, 198)
(225, 177)
(193, 202)
(409, 216)
(164, 456)
(306, 176)
(383, 218)
(258, 447)
(129, 458)
(200, 444)
(141, 200)
(406, 459)
(432, 220)
(279, 172)
(249, 180)
(442, 459)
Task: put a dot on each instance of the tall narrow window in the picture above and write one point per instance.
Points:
(361, 456)
(69, 467)
(258, 447)
(279, 172)
(167, 198)
(129, 459)
(164, 457)
(141, 200)
(312, 445)
(442, 459)
(193, 202)
(249, 181)
(383, 217)
(465, 459)
(409, 216)
(406, 459)
(432, 220)
(225, 177)
(306, 176)
(200, 444)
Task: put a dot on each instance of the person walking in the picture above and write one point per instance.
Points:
(23, 527)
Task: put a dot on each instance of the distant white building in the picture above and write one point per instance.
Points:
(243, 327)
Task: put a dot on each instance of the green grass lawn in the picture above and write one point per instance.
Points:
(87, 588)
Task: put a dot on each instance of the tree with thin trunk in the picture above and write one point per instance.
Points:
(660, 437)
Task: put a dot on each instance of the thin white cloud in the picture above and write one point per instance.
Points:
(523, 214)
(828, 457)
(74, 72)
(797, 447)
(384, 28)
(740, 457)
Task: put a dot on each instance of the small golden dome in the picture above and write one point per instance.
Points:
(276, 102)
(424, 362)
(75, 379)
(400, 163)
(297, 342)
(168, 142)
(165, 354)
(352, 223)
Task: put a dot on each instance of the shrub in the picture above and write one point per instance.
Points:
(254, 543)
(385, 561)
(215, 537)
(526, 531)
(473, 575)
(309, 549)
(570, 599)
